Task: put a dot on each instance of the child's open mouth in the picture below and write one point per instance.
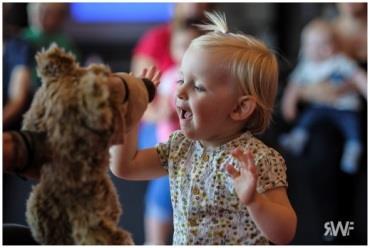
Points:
(185, 115)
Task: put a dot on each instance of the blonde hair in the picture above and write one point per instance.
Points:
(249, 61)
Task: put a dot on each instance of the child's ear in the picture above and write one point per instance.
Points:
(244, 108)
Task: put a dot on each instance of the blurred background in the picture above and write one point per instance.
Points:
(109, 33)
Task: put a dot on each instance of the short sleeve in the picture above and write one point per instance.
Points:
(272, 171)
(163, 150)
(169, 150)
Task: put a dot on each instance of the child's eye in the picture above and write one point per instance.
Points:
(181, 81)
(199, 88)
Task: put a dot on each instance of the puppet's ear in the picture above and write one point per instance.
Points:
(244, 108)
(54, 63)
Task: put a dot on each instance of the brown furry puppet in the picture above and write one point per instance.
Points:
(75, 201)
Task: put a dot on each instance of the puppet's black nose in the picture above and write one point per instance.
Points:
(150, 87)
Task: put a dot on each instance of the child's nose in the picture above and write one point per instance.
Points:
(181, 92)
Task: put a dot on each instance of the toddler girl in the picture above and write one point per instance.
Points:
(227, 187)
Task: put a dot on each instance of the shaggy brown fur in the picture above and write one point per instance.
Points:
(75, 201)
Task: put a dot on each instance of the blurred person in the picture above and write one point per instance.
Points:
(158, 208)
(351, 30)
(153, 48)
(350, 27)
(323, 65)
(16, 69)
(46, 22)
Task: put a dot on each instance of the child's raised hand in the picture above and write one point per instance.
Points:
(245, 179)
(152, 74)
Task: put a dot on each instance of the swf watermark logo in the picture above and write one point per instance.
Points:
(333, 229)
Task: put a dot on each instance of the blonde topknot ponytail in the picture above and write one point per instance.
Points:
(217, 23)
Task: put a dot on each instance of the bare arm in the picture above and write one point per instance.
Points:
(327, 93)
(128, 163)
(20, 84)
(274, 215)
(360, 81)
(289, 102)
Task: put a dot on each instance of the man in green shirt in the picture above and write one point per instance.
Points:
(46, 22)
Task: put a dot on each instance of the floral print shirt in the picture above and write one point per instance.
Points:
(206, 207)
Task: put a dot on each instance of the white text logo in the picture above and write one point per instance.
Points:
(332, 230)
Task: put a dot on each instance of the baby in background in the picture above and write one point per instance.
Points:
(323, 66)
(227, 187)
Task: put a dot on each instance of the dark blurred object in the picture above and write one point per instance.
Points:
(14, 18)
(14, 234)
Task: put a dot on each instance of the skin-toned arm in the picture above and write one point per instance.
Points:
(289, 102)
(130, 164)
(323, 92)
(271, 211)
(20, 84)
(327, 93)
(360, 81)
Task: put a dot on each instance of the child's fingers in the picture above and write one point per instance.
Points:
(245, 158)
(241, 157)
(232, 171)
(250, 162)
(150, 72)
(156, 83)
(252, 165)
(238, 154)
(156, 78)
(144, 72)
